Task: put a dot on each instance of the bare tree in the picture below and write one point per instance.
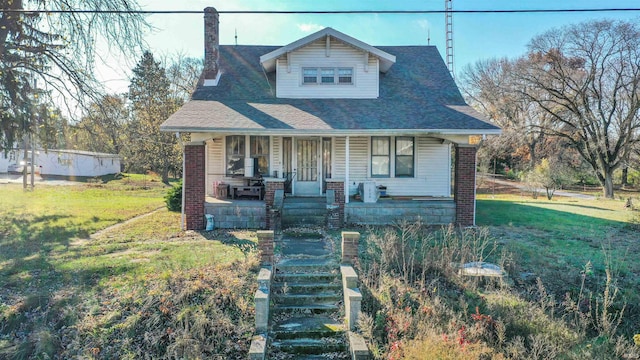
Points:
(587, 77)
(491, 87)
(103, 129)
(183, 73)
(57, 50)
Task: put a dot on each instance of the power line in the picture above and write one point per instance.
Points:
(319, 12)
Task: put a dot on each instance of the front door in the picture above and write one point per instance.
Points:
(307, 181)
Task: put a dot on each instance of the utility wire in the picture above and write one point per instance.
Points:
(243, 12)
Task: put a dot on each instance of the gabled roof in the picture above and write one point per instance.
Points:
(417, 94)
(268, 61)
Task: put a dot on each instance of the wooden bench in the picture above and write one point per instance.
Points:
(246, 191)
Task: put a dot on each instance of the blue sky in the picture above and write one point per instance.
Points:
(476, 36)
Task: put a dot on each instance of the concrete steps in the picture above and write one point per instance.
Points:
(304, 211)
(307, 303)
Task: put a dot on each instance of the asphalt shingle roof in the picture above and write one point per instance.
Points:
(417, 93)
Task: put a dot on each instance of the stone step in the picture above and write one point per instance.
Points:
(307, 299)
(318, 308)
(305, 210)
(318, 277)
(302, 220)
(288, 265)
(305, 288)
(305, 249)
(289, 208)
(309, 346)
(343, 355)
(316, 327)
(289, 200)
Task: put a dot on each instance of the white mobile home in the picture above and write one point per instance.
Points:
(77, 163)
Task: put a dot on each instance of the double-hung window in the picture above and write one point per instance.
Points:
(260, 151)
(404, 156)
(235, 154)
(380, 156)
(310, 76)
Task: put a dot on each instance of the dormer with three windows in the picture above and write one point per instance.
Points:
(327, 65)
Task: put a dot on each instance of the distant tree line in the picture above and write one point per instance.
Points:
(129, 124)
(572, 100)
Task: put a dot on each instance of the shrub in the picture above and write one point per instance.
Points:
(173, 199)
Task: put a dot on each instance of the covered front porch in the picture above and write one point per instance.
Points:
(417, 182)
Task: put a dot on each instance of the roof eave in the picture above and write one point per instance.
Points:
(333, 132)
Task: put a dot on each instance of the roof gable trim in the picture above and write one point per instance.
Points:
(268, 61)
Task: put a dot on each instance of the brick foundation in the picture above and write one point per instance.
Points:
(465, 185)
(270, 188)
(194, 185)
(336, 216)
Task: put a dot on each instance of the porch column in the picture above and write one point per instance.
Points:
(464, 190)
(194, 185)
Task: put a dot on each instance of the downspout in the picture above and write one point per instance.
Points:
(346, 175)
(183, 180)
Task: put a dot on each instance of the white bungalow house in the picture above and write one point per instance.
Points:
(329, 114)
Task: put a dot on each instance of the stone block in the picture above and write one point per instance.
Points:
(258, 349)
(358, 347)
(264, 279)
(352, 306)
(261, 300)
(349, 277)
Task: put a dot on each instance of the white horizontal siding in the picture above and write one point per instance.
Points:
(215, 162)
(358, 161)
(432, 172)
(289, 75)
(339, 154)
(275, 163)
(432, 168)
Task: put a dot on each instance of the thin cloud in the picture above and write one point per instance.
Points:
(424, 24)
(309, 27)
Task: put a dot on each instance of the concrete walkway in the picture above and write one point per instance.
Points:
(521, 186)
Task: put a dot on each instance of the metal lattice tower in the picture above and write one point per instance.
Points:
(448, 14)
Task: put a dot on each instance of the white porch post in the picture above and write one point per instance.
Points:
(346, 170)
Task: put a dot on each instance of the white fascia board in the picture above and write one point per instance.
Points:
(386, 59)
(329, 132)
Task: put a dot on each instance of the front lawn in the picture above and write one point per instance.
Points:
(138, 290)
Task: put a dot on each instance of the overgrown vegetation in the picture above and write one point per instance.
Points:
(416, 302)
(143, 290)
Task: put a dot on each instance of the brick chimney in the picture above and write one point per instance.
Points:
(211, 43)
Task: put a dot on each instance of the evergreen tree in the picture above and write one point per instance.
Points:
(152, 102)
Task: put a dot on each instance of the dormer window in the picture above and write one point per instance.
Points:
(310, 76)
(327, 76)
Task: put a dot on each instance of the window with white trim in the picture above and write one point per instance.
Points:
(237, 146)
(380, 156)
(235, 154)
(327, 76)
(260, 151)
(404, 156)
(403, 161)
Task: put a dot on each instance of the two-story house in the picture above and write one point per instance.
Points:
(329, 114)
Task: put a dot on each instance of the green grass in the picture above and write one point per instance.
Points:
(55, 278)
(555, 240)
